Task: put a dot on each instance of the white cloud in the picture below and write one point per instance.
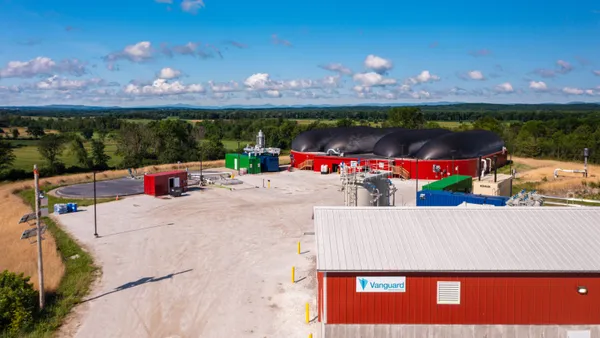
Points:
(273, 93)
(573, 91)
(232, 86)
(42, 66)
(57, 83)
(563, 66)
(338, 68)
(259, 81)
(191, 6)
(424, 77)
(372, 79)
(162, 87)
(139, 52)
(169, 73)
(504, 88)
(596, 72)
(538, 85)
(476, 75)
(378, 64)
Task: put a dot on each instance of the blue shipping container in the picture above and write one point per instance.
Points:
(269, 163)
(433, 198)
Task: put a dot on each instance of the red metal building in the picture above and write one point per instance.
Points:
(524, 268)
(160, 184)
(425, 169)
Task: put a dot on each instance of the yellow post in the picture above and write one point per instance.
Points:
(293, 275)
(269, 184)
(298, 247)
(307, 314)
(310, 335)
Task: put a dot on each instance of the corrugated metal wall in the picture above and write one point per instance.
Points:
(492, 299)
(426, 172)
(158, 184)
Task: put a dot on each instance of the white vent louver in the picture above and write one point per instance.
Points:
(448, 292)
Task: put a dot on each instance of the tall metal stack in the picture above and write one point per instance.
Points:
(362, 188)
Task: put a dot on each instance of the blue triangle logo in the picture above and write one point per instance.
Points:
(363, 282)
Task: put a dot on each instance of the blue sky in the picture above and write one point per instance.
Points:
(147, 52)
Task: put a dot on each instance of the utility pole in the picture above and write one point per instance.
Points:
(95, 219)
(38, 214)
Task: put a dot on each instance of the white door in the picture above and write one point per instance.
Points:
(176, 182)
(235, 164)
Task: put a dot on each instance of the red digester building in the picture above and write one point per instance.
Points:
(159, 184)
(500, 271)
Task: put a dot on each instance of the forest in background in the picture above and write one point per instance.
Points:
(140, 137)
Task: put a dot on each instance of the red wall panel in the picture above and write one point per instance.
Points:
(425, 172)
(158, 184)
(485, 299)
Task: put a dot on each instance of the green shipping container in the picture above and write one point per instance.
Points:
(232, 161)
(454, 183)
(239, 161)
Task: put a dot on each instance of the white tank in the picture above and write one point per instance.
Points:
(363, 197)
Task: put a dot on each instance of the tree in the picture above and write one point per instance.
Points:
(7, 156)
(406, 117)
(50, 147)
(17, 302)
(99, 157)
(81, 154)
(87, 133)
(345, 122)
(15, 133)
(35, 131)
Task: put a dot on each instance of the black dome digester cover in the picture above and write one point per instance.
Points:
(358, 140)
(461, 145)
(406, 143)
(313, 140)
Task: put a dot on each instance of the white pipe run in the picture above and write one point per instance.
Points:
(579, 171)
(484, 167)
(570, 199)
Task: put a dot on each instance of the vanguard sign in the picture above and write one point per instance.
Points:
(380, 284)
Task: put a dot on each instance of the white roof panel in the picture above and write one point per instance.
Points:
(508, 239)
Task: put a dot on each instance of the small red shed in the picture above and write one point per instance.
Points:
(160, 184)
(498, 271)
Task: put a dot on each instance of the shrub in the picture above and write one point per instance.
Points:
(17, 302)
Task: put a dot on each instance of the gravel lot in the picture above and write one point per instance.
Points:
(213, 263)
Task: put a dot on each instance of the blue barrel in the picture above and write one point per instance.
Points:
(74, 207)
(69, 207)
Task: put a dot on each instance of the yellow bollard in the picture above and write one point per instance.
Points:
(298, 247)
(293, 275)
(310, 335)
(307, 314)
(268, 183)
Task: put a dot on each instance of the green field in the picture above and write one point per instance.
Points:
(27, 153)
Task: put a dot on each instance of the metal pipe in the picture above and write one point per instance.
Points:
(570, 199)
(495, 168)
(417, 175)
(479, 168)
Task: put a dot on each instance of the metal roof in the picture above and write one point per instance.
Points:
(509, 239)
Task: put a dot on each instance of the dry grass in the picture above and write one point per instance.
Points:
(23, 131)
(542, 171)
(19, 256)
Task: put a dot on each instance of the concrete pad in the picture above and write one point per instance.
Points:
(213, 263)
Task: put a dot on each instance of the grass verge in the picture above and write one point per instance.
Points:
(80, 271)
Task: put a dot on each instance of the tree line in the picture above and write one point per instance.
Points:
(172, 140)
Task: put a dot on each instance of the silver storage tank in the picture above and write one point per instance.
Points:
(363, 196)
